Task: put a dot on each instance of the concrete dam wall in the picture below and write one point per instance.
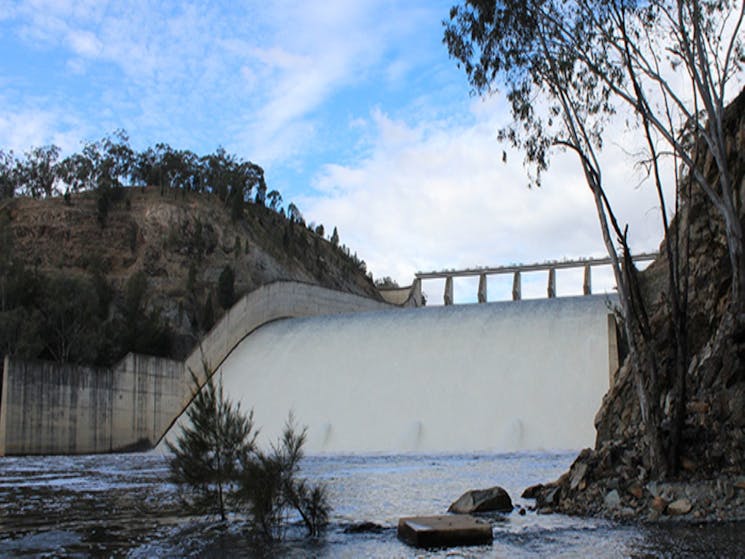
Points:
(54, 408)
(502, 376)
(364, 377)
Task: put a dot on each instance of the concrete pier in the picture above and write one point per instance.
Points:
(517, 289)
(551, 290)
(482, 288)
(448, 297)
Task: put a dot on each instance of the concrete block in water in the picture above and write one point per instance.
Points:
(444, 531)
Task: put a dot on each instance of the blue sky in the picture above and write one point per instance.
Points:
(354, 110)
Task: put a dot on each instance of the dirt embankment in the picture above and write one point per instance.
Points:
(181, 244)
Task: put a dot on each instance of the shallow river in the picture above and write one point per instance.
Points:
(121, 506)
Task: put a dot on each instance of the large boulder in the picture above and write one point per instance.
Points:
(494, 499)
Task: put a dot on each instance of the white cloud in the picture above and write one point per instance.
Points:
(258, 72)
(425, 188)
(434, 196)
(24, 128)
(85, 43)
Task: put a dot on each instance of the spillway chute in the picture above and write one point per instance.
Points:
(502, 376)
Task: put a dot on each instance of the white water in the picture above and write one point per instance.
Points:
(496, 377)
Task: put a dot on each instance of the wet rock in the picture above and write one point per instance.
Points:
(494, 499)
(658, 505)
(577, 475)
(532, 491)
(679, 507)
(550, 498)
(364, 528)
(636, 490)
(612, 499)
(697, 407)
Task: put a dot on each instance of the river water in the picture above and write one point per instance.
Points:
(123, 506)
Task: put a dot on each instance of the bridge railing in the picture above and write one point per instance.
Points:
(517, 270)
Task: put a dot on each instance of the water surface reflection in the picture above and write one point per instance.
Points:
(122, 506)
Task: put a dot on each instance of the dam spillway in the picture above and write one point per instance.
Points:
(503, 376)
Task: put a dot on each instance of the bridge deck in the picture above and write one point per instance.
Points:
(536, 267)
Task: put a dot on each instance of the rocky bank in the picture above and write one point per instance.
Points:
(612, 479)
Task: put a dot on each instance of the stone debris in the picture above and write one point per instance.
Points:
(494, 499)
(612, 499)
(532, 491)
(659, 504)
(679, 507)
(636, 490)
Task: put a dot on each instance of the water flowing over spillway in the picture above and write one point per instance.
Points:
(492, 377)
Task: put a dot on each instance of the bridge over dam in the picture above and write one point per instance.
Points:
(363, 375)
(412, 295)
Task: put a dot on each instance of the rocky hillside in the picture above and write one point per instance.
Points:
(612, 479)
(163, 266)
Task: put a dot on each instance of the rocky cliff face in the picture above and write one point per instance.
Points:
(180, 244)
(612, 479)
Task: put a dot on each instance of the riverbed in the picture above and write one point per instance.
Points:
(123, 506)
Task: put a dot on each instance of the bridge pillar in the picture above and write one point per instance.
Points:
(482, 288)
(516, 287)
(587, 285)
(448, 290)
(416, 293)
(551, 283)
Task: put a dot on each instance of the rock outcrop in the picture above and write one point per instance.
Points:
(494, 499)
(613, 478)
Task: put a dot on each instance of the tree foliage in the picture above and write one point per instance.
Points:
(218, 467)
(226, 288)
(108, 165)
(386, 282)
(208, 454)
(270, 488)
(110, 325)
(567, 67)
(73, 318)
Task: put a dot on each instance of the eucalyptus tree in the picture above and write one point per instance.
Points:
(7, 175)
(294, 214)
(37, 173)
(275, 200)
(566, 68)
(111, 161)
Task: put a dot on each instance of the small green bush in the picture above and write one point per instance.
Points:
(210, 450)
(216, 464)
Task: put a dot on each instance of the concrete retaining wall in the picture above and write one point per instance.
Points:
(55, 408)
(52, 408)
(409, 296)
